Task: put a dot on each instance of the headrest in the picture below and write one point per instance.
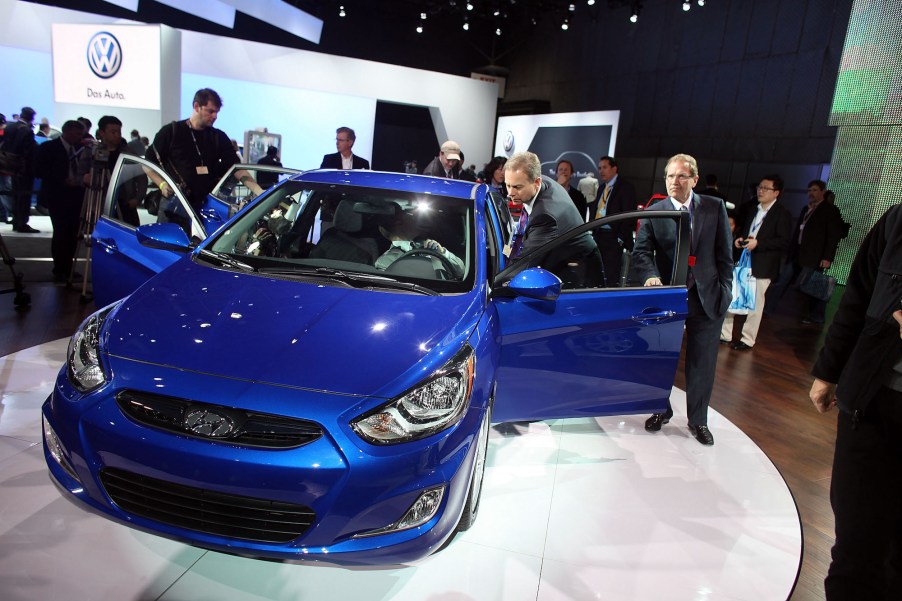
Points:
(346, 219)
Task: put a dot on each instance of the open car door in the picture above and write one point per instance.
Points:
(119, 263)
(593, 351)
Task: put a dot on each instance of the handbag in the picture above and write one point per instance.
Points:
(816, 283)
(745, 286)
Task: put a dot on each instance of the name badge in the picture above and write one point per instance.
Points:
(202, 170)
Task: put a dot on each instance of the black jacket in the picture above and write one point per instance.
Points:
(713, 270)
(821, 235)
(333, 161)
(773, 237)
(621, 199)
(863, 343)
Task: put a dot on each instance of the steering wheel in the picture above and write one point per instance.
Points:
(447, 266)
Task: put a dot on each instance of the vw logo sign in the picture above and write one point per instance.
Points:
(208, 423)
(104, 55)
(508, 141)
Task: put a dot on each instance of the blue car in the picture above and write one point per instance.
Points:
(316, 378)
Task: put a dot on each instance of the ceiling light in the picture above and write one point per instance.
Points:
(701, 2)
(469, 6)
(341, 11)
(591, 2)
(466, 26)
(572, 7)
(634, 17)
(565, 26)
(497, 12)
(498, 31)
(423, 16)
(686, 5)
(419, 29)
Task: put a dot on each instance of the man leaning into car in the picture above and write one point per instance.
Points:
(196, 154)
(548, 212)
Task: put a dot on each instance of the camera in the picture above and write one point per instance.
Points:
(100, 153)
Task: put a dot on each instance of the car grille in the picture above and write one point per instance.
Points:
(204, 510)
(235, 426)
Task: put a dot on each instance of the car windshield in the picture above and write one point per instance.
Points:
(356, 236)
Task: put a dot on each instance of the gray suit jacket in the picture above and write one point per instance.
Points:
(711, 239)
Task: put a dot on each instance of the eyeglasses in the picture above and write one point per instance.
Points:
(680, 177)
(766, 189)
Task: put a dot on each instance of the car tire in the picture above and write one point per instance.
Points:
(474, 494)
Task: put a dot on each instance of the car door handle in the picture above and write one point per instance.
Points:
(107, 244)
(656, 316)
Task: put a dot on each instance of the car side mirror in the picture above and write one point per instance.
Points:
(536, 282)
(166, 236)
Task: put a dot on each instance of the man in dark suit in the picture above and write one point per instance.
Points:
(18, 139)
(547, 213)
(709, 283)
(344, 158)
(615, 195)
(817, 234)
(765, 229)
(62, 192)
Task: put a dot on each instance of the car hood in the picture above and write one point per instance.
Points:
(288, 332)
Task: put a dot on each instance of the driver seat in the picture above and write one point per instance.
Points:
(346, 239)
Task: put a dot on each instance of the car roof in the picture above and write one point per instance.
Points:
(387, 180)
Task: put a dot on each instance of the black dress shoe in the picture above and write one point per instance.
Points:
(654, 423)
(740, 346)
(724, 341)
(702, 434)
(27, 229)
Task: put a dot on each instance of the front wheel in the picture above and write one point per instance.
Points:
(474, 494)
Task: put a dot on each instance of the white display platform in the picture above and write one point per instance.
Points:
(572, 510)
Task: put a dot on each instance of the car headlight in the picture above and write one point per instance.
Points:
(437, 403)
(83, 362)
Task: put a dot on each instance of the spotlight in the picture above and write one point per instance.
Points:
(498, 31)
(701, 2)
(419, 29)
(686, 5)
(572, 7)
(466, 26)
(591, 2)
(423, 16)
(565, 26)
(496, 13)
(634, 13)
(469, 6)
(634, 17)
(341, 11)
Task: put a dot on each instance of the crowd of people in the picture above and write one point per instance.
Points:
(859, 369)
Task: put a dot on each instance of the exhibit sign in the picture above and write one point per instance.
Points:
(107, 65)
(581, 138)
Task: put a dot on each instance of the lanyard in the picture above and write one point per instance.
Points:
(196, 147)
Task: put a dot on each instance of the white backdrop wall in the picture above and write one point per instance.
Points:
(302, 95)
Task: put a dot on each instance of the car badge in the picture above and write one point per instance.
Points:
(508, 141)
(104, 55)
(208, 423)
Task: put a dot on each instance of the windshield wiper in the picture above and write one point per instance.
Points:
(344, 276)
(225, 259)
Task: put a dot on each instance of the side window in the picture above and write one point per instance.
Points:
(623, 259)
(134, 199)
(129, 200)
(232, 191)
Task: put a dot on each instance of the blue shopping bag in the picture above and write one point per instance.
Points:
(744, 286)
